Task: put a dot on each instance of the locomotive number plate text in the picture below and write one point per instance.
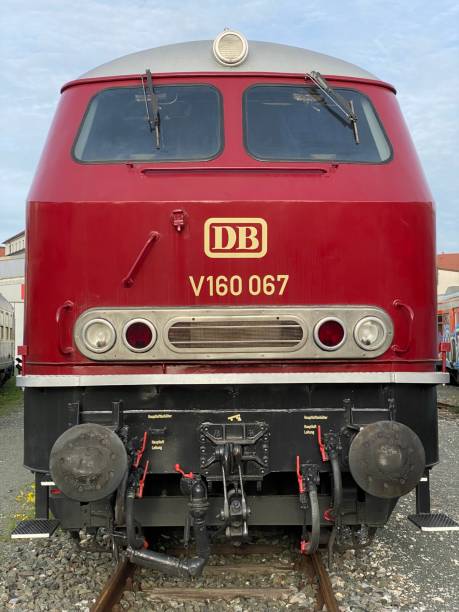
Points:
(221, 285)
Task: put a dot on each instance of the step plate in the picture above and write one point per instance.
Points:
(34, 528)
(434, 522)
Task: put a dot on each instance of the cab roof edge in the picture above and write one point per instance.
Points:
(202, 56)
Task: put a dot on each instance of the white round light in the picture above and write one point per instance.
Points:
(230, 48)
(370, 333)
(99, 335)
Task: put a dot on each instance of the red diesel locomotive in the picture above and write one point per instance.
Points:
(230, 301)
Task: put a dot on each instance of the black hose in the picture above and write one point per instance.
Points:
(173, 566)
(198, 506)
(132, 538)
(120, 509)
(167, 563)
(337, 485)
(313, 543)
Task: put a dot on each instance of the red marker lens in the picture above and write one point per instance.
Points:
(330, 334)
(140, 335)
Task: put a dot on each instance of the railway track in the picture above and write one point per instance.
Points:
(259, 562)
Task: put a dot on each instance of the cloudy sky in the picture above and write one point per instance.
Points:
(414, 45)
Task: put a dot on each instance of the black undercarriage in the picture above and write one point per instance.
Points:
(243, 441)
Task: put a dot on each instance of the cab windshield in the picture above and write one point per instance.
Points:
(287, 123)
(116, 127)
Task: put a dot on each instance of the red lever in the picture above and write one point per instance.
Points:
(299, 475)
(142, 480)
(140, 452)
(180, 471)
(323, 452)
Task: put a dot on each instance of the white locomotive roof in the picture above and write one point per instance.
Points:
(197, 56)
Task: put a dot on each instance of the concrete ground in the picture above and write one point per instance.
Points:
(448, 395)
(13, 477)
(429, 562)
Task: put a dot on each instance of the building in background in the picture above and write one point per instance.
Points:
(448, 271)
(15, 245)
(12, 266)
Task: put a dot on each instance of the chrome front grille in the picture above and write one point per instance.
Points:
(227, 334)
(231, 333)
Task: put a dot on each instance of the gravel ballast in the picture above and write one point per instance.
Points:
(402, 570)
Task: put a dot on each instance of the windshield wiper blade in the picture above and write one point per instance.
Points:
(345, 106)
(152, 106)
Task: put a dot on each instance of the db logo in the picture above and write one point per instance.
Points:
(229, 237)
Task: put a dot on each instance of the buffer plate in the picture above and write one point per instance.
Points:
(433, 522)
(34, 528)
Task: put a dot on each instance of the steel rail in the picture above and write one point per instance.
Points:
(113, 589)
(310, 566)
(325, 586)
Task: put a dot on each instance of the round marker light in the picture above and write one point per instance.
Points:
(329, 334)
(99, 335)
(139, 335)
(370, 333)
(230, 48)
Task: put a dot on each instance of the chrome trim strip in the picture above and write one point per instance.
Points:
(162, 319)
(98, 380)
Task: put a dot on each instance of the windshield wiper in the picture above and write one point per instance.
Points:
(345, 106)
(152, 106)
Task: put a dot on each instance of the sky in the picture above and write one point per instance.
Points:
(413, 45)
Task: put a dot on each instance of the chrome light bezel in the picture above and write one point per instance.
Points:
(323, 346)
(377, 345)
(162, 318)
(218, 54)
(151, 327)
(106, 324)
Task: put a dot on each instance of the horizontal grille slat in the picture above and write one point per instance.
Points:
(236, 334)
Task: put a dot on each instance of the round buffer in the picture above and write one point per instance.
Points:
(88, 462)
(387, 459)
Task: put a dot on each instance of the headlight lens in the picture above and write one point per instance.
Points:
(370, 333)
(139, 335)
(99, 335)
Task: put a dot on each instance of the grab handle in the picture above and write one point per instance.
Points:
(410, 312)
(64, 338)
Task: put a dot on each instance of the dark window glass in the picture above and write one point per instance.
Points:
(297, 123)
(115, 127)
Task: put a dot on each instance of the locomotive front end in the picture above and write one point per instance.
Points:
(237, 337)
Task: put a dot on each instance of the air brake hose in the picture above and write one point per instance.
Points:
(131, 534)
(168, 564)
(337, 485)
(313, 542)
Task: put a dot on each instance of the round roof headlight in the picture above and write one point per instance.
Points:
(139, 335)
(99, 335)
(370, 333)
(230, 48)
